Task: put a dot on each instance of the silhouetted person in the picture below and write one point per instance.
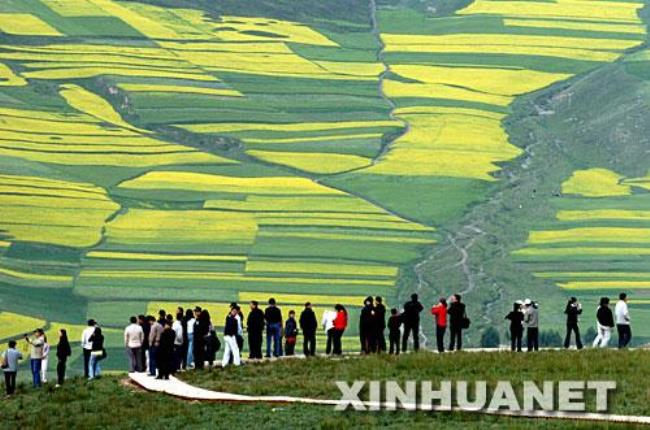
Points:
(411, 321)
(308, 325)
(255, 327)
(516, 317)
(380, 319)
(605, 324)
(367, 327)
(394, 323)
(573, 310)
(457, 322)
(273, 318)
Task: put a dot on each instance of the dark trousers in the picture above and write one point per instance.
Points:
(368, 342)
(572, 327)
(36, 371)
(10, 382)
(381, 341)
(86, 362)
(183, 353)
(309, 344)
(393, 339)
(60, 370)
(274, 336)
(456, 341)
(515, 339)
(624, 335)
(408, 329)
(330, 341)
(134, 359)
(290, 346)
(532, 338)
(440, 337)
(255, 344)
(199, 352)
(153, 360)
(336, 342)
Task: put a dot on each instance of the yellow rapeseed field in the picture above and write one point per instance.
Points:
(575, 25)
(314, 162)
(25, 24)
(75, 8)
(603, 214)
(266, 266)
(288, 127)
(595, 183)
(8, 78)
(395, 89)
(627, 235)
(14, 325)
(300, 299)
(564, 252)
(141, 256)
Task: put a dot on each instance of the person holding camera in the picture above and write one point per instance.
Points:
(573, 310)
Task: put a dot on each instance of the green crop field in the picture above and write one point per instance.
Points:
(155, 153)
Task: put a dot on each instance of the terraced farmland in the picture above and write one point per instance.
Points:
(153, 153)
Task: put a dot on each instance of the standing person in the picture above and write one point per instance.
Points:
(340, 324)
(308, 325)
(162, 317)
(45, 360)
(516, 317)
(439, 311)
(290, 333)
(144, 350)
(165, 353)
(604, 324)
(97, 354)
(177, 326)
(210, 339)
(255, 327)
(328, 325)
(133, 338)
(411, 321)
(10, 366)
(573, 310)
(367, 327)
(380, 319)
(623, 321)
(154, 343)
(273, 318)
(394, 323)
(231, 349)
(531, 320)
(201, 333)
(36, 354)
(63, 351)
(457, 321)
(86, 345)
(240, 330)
(189, 339)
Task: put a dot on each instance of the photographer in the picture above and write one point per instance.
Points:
(573, 310)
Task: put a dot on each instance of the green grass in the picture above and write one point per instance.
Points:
(109, 402)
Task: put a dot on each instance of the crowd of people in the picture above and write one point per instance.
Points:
(188, 339)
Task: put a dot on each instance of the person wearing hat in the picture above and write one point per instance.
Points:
(87, 345)
(531, 320)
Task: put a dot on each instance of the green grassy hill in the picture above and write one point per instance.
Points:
(110, 402)
(156, 153)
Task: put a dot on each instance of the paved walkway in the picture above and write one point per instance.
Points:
(177, 388)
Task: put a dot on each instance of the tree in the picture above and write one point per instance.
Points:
(490, 338)
(550, 338)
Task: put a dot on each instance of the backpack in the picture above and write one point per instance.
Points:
(214, 340)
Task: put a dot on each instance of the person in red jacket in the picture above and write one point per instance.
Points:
(439, 311)
(340, 324)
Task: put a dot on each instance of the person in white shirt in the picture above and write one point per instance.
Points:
(177, 326)
(133, 338)
(622, 316)
(44, 360)
(328, 324)
(87, 345)
(190, 338)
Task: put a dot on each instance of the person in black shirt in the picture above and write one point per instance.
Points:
(144, 351)
(516, 318)
(380, 316)
(394, 323)
(457, 320)
(605, 320)
(367, 327)
(573, 310)
(411, 321)
(165, 355)
(273, 318)
(63, 351)
(308, 325)
(230, 331)
(201, 332)
(255, 327)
